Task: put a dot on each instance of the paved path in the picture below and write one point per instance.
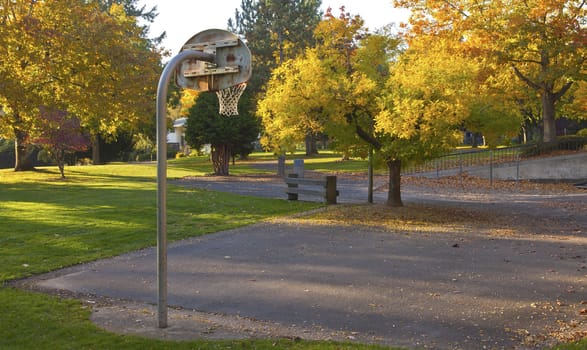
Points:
(483, 290)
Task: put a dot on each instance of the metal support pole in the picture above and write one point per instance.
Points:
(162, 177)
(518, 170)
(461, 168)
(370, 175)
(491, 168)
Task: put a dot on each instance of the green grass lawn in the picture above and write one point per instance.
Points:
(102, 211)
(96, 212)
(37, 321)
(325, 161)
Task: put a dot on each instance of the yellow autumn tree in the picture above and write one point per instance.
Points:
(110, 72)
(580, 101)
(425, 105)
(22, 75)
(577, 107)
(294, 104)
(70, 55)
(543, 42)
(365, 93)
(326, 90)
(332, 89)
(435, 90)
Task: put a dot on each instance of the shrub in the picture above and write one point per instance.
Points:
(171, 152)
(6, 154)
(84, 161)
(142, 156)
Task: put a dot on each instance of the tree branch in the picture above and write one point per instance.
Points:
(52, 76)
(563, 90)
(456, 8)
(368, 137)
(525, 61)
(526, 80)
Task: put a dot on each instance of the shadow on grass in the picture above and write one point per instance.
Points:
(49, 225)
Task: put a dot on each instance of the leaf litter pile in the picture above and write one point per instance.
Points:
(415, 218)
(468, 183)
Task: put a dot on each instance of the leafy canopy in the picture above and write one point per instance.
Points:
(72, 54)
(542, 41)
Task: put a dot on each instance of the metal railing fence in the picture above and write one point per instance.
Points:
(463, 159)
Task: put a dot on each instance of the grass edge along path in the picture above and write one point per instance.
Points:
(33, 320)
(98, 212)
(59, 210)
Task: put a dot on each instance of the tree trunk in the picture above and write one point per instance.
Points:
(394, 196)
(95, 139)
(549, 97)
(476, 136)
(220, 159)
(524, 135)
(311, 148)
(59, 157)
(548, 117)
(23, 152)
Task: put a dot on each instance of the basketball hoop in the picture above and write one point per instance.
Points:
(228, 99)
(226, 73)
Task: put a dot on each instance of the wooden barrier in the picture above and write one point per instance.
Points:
(324, 187)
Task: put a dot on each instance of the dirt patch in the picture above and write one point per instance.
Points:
(183, 324)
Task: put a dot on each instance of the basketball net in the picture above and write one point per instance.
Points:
(228, 99)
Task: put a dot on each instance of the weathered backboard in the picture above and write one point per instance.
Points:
(231, 65)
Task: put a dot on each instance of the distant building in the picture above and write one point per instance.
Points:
(176, 138)
(473, 138)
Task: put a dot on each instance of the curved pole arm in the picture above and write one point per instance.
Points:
(162, 90)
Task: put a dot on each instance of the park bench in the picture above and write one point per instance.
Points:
(324, 187)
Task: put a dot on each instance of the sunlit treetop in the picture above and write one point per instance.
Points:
(542, 41)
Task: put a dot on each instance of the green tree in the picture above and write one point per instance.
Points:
(227, 136)
(134, 9)
(275, 31)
